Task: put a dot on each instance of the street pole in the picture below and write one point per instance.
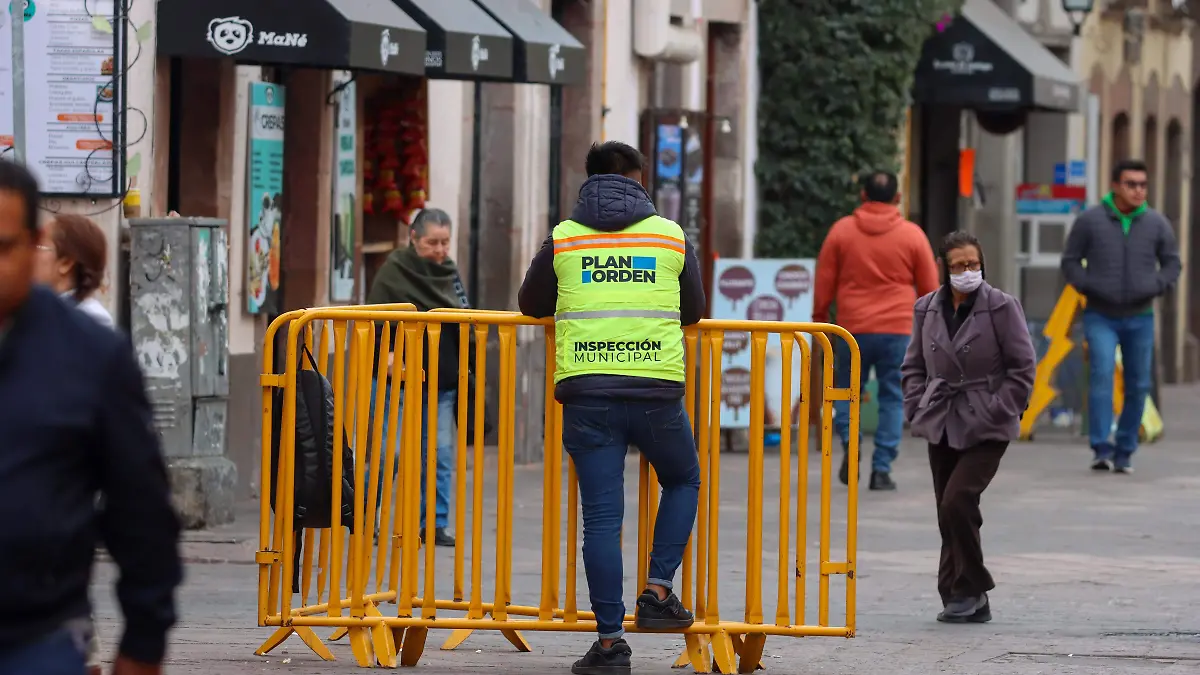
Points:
(17, 18)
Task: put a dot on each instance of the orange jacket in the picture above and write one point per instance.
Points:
(874, 264)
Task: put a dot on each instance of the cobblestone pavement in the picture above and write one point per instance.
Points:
(1096, 573)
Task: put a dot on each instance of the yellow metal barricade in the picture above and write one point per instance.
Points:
(358, 575)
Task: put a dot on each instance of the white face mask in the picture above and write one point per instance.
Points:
(966, 282)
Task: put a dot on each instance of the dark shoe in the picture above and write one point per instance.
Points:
(601, 661)
(1102, 460)
(881, 480)
(1123, 464)
(844, 472)
(967, 610)
(981, 615)
(655, 614)
(440, 537)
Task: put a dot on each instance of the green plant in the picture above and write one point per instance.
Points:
(835, 78)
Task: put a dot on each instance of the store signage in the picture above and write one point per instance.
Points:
(387, 48)
(557, 63)
(433, 59)
(232, 34)
(962, 61)
(479, 53)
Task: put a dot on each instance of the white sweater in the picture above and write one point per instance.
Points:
(92, 307)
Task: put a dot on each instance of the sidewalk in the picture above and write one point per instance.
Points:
(1096, 574)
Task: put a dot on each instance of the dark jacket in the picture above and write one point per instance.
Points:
(973, 387)
(610, 203)
(75, 422)
(1124, 272)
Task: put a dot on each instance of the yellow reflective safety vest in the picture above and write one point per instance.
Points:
(618, 300)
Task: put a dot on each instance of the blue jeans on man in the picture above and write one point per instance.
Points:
(445, 451)
(62, 652)
(884, 353)
(597, 432)
(1135, 336)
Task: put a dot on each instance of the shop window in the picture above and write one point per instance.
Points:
(395, 163)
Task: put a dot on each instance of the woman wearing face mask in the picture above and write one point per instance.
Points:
(967, 377)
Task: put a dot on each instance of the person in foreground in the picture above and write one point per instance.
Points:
(873, 265)
(620, 281)
(967, 377)
(76, 423)
(1132, 258)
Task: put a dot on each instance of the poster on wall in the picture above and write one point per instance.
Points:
(759, 290)
(72, 92)
(668, 172)
(345, 191)
(265, 196)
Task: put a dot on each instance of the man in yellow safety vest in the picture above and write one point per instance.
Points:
(620, 282)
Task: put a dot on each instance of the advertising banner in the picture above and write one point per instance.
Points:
(759, 290)
(345, 191)
(265, 196)
(73, 85)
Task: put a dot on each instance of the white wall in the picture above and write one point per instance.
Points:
(242, 338)
(450, 108)
(622, 84)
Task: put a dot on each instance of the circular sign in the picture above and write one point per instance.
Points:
(734, 342)
(735, 283)
(765, 308)
(793, 281)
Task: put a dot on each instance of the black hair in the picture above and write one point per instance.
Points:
(16, 178)
(614, 157)
(879, 186)
(427, 217)
(956, 240)
(1127, 165)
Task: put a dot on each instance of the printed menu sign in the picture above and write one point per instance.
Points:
(264, 192)
(759, 290)
(345, 192)
(70, 89)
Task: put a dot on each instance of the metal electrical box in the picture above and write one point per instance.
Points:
(179, 324)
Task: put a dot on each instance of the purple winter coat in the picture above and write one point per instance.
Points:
(974, 387)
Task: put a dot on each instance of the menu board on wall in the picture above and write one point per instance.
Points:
(72, 93)
(345, 191)
(264, 175)
(759, 290)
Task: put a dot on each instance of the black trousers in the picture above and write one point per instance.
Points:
(959, 478)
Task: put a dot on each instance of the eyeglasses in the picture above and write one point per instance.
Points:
(1135, 185)
(959, 268)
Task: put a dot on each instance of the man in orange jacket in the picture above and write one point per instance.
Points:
(874, 265)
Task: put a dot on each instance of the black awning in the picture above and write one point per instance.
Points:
(985, 60)
(545, 52)
(335, 34)
(464, 42)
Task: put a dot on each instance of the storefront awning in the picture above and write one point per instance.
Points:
(985, 60)
(464, 42)
(335, 34)
(545, 52)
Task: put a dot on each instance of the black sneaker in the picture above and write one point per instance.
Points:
(844, 472)
(601, 661)
(655, 614)
(1102, 458)
(882, 480)
(440, 537)
(981, 614)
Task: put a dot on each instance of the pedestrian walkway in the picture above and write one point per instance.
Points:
(1096, 574)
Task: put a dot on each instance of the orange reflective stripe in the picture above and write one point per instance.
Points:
(619, 240)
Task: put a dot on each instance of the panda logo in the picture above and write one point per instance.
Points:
(230, 35)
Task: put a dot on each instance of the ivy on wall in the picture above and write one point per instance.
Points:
(835, 78)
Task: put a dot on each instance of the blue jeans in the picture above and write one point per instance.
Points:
(63, 652)
(1135, 335)
(597, 432)
(885, 353)
(445, 451)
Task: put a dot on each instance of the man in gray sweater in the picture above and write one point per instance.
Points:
(1131, 258)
